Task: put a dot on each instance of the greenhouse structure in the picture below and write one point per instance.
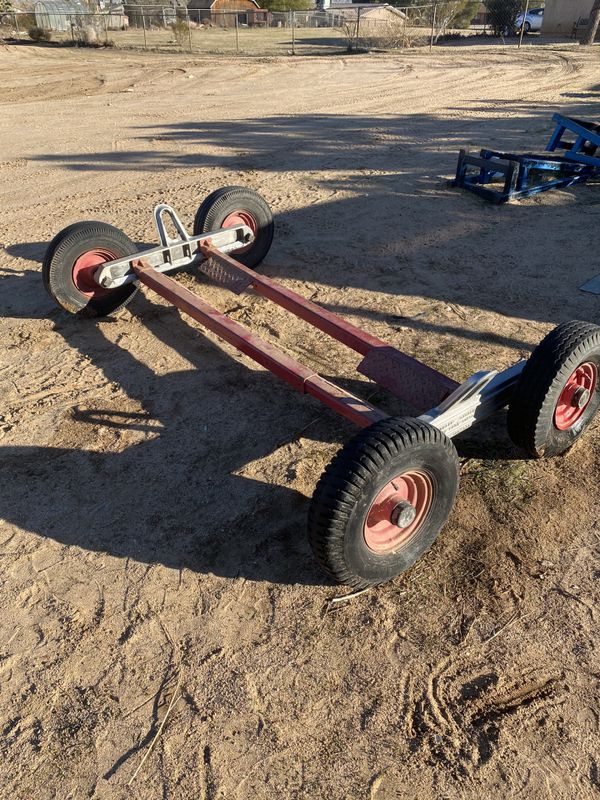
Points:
(57, 15)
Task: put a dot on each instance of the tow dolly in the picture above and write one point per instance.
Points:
(388, 492)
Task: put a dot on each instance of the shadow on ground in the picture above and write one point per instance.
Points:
(518, 260)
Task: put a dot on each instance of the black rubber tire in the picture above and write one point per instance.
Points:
(530, 420)
(527, 27)
(222, 202)
(62, 253)
(352, 481)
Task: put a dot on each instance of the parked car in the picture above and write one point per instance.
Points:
(532, 21)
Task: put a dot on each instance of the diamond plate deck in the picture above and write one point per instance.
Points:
(223, 274)
(417, 384)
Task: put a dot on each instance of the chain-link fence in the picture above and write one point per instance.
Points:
(256, 31)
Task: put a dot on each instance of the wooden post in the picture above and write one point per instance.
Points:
(523, 25)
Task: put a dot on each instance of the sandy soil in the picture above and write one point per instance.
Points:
(155, 483)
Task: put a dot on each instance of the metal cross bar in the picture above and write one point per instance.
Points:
(172, 254)
(416, 383)
(276, 361)
(477, 398)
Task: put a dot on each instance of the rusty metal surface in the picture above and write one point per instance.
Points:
(417, 384)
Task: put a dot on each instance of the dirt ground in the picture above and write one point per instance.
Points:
(155, 483)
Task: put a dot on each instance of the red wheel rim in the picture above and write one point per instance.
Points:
(412, 492)
(241, 218)
(84, 269)
(576, 396)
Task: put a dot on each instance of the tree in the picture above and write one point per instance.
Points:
(466, 13)
(449, 13)
(503, 14)
(455, 14)
(593, 24)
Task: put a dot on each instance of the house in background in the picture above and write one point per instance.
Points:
(223, 13)
(563, 17)
(375, 15)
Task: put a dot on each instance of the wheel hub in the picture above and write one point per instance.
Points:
(85, 267)
(403, 514)
(241, 218)
(581, 397)
(398, 511)
(576, 396)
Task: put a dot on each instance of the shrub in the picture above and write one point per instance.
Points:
(89, 36)
(39, 34)
(180, 30)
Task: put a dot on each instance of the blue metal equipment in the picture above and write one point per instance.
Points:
(500, 177)
(586, 147)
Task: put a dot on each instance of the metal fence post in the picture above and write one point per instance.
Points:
(189, 27)
(523, 25)
(357, 27)
(237, 34)
(433, 20)
(293, 24)
(18, 32)
(144, 28)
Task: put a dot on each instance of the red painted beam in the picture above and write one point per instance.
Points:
(411, 380)
(276, 361)
(336, 327)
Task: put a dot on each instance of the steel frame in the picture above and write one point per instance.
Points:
(586, 147)
(521, 175)
(171, 254)
(442, 402)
